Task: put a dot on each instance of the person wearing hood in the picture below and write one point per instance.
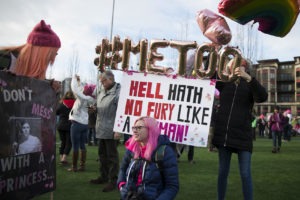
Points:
(64, 125)
(140, 176)
(233, 132)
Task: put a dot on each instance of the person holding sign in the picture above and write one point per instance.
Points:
(233, 133)
(107, 103)
(149, 168)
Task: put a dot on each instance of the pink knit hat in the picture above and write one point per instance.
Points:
(89, 89)
(43, 35)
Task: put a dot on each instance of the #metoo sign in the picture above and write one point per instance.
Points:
(183, 107)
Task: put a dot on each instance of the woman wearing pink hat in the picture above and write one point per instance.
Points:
(32, 58)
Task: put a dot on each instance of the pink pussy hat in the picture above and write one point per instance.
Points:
(43, 35)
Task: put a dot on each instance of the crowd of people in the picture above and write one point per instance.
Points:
(278, 126)
(86, 115)
(224, 139)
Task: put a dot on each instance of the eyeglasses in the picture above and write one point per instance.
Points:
(137, 128)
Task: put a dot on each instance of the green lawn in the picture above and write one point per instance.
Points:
(275, 176)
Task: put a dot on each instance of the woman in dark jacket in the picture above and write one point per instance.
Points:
(64, 126)
(140, 177)
(233, 133)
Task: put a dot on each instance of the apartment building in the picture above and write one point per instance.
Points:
(282, 82)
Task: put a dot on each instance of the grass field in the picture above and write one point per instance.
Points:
(275, 176)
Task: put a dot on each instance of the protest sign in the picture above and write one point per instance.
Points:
(27, 137)
(182, 106)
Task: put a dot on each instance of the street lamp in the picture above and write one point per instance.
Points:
(112, 21)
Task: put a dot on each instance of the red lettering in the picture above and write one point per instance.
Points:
(150, 109)
(133, 107)
(129, 106)
(142, 89)
(133, 88)
(149, 88)
(157, 95)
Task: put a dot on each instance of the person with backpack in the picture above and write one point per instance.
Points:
(149, 167)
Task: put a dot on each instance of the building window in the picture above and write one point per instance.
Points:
(264, 76)
(285, 77)
(272, 97)
(273, 86)
(272, 75)
(258, 76)
(265, 110)
(286, 67)
(298, 97)
(298, 87)
(286, 87)
(285, 98)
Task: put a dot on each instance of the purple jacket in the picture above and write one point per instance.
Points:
(276, 121)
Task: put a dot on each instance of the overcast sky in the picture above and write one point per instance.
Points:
(81, 25)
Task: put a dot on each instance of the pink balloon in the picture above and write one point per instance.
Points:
(214, 27)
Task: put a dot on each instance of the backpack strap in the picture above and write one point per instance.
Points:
(159, 156)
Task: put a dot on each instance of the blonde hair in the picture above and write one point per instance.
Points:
(33, 61)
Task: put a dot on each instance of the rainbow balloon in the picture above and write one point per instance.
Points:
(275, 17)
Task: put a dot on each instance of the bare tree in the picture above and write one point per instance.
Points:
(92, 74)
(247, 41)
(74, 64)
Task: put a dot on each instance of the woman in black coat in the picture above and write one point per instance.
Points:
(64, 126)
(233, 133)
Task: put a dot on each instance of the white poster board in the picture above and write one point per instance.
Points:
(182, 106)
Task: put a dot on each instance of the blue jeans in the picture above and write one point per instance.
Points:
(78, 136)
(244, 158)
(276, 136)
(92, 135)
